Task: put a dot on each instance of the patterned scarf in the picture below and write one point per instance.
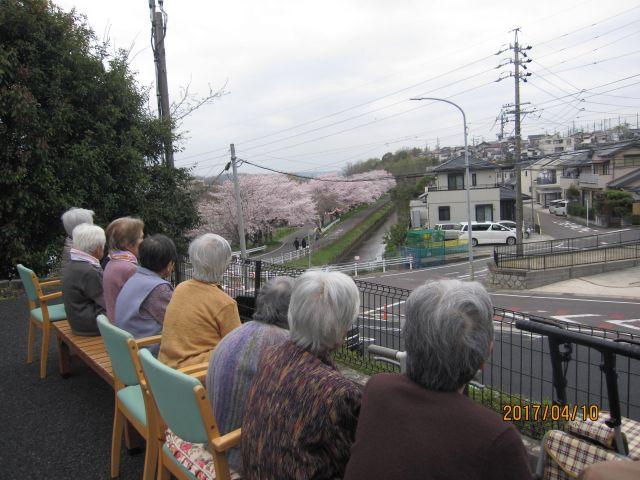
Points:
(81, 256)
(123, 255)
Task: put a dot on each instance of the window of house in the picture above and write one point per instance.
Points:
(484, 213)
(605, 168)
(455, 181)
(473, 180)
(444, 213)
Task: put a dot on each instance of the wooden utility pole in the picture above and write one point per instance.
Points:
(162, 86)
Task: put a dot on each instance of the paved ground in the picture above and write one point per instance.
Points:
(52, 428)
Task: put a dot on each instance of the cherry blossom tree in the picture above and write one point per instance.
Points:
(272, 200)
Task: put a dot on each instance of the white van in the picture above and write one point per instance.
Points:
(561, 208)
(488, 232)
(553, 204)
(450, 230)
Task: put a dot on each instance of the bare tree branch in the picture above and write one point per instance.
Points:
(189, 103)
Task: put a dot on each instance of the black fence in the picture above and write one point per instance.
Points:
(519, 372)
(568, 252)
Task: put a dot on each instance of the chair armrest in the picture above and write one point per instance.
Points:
(143, 342)
(230, 440)
(198, 367)
(52, 282)
(50, 296)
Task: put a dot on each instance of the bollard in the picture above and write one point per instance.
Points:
(356, 268)
(383, 266)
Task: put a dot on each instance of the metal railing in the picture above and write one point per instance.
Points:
(370, 265)
(445, 188)
(289, 256)
(569, 252)
(519, 371)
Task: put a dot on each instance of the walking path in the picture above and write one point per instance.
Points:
(620, 284)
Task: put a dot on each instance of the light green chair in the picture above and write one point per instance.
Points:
(133, 402)
(182, 406)
(40, 314)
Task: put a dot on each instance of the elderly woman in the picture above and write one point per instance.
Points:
(70, 220)
(124, 236)
(200, 313)
(82, 280)
(301, 413)
(420, 425)
(143, 300)
(235, 360)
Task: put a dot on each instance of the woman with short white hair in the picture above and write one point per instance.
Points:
(70, 220)
(301, 412)
(82, 280)
(422, 419)
(200, 313)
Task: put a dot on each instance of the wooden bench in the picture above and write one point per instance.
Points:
(90, 349)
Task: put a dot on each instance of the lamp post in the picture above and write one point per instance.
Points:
(468, 169)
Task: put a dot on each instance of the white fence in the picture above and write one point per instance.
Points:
(289, 256)
(367, 266)
(250, 250)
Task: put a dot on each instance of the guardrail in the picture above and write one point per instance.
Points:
(370, 265)
(519, 371)
(250, 250)
(568, 252)
(289, 256)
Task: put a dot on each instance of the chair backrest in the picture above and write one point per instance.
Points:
(175, 398)
(27, 276)
(116, 344)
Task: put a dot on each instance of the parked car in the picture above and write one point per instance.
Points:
(450, 230)
(561, 208)
(512, 226)
(552, 205)
(487, 232)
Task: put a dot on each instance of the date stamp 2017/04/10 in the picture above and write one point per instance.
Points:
(555, 413)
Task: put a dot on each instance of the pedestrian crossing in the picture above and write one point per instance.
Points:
(576, 227)
(478, 274)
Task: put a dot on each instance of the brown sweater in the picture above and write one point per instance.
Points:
(198, 316)
(407, 432)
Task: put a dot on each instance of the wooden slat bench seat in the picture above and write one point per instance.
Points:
(90, 349)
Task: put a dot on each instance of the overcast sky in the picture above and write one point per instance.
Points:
(314, 85)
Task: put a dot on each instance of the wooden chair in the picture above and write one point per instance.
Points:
(182, 406)
(133, 403)
(41, 315)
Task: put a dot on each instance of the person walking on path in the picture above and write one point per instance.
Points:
(296, 243)
(304, 243)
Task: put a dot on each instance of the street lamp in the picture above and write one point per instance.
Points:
(468, 168)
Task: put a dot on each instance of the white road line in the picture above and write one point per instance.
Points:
(623, 323)
(563, 298)
(368, 312)
(567, 318)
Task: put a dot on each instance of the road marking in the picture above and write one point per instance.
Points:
(623, 323)
(567, 318)
(563, 298)
(368, 312)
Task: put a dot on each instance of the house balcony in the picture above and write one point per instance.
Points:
(447, 188)
(594, 181)
(545, 180)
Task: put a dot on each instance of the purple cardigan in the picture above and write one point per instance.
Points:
(116, 274)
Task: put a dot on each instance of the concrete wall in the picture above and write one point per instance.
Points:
(526, 279)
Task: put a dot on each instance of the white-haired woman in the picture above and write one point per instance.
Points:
(200, 313)
(70, 220)
(82, 280)
(420, 425)
(301, 412)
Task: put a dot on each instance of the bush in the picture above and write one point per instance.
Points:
(577, 210)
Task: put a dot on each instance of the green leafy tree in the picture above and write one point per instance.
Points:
(75, 130)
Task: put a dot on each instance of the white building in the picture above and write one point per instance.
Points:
(445, 200)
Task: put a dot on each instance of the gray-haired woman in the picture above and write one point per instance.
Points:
(301, 413)
(82, 280)
(200, 313)
(70, 220)
(421, 420)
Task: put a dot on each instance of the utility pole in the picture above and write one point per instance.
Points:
(159, 31)
(236, 188)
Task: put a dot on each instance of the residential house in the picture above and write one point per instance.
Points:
(555, 144)
(446, 197)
